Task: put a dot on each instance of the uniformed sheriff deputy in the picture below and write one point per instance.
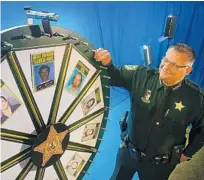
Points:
(163, 104)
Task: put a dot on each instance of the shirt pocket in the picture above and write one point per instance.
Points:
(141, 110)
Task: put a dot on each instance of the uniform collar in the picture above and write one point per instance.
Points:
(174, 87)
(159, 83)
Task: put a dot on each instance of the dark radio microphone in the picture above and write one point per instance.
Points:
(123, 122)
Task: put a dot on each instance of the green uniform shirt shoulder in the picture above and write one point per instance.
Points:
(148, 70)
(192, 85)
(202, 92)
(139, 67)
(195, 88)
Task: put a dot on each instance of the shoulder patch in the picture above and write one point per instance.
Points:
(131, 67)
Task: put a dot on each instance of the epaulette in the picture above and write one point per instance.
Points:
(192, 85)
(150, 69)
(197, 88)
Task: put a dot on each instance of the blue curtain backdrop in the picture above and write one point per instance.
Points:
(121, 28)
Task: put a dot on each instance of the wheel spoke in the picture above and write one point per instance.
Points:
(15, 136)
(85, 120)
(25, 91)
(15, 159)
(60, 170)
(40, 173)
(74, 104)
(59, 86)
(73, 146)
(25, 170)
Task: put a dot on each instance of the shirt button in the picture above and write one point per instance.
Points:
(157, 123)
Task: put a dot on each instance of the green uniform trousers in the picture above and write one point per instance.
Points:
(126, 167)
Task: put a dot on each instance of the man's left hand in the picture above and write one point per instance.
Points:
(183, 158)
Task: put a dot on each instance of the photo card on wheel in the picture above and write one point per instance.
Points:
(9, 102)
(77, 78)
(43, 70)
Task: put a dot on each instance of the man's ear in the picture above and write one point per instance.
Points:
(189, 70)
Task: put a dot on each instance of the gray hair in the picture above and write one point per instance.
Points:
(183, 48)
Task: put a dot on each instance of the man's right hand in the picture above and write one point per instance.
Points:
(103, 56)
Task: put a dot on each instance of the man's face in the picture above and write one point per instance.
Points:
(77, 81)
(44, 74)
(90, 103)
(89, 132)
(4, 104)
(174, 67)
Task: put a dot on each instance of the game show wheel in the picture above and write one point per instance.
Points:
(54, 104)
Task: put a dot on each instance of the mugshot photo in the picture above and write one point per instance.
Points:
(74, 166)
(90, 131)
(43, 76)
(75, 82)
(9, 103)
(43, 70)
(91, 101)
(77, 78)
